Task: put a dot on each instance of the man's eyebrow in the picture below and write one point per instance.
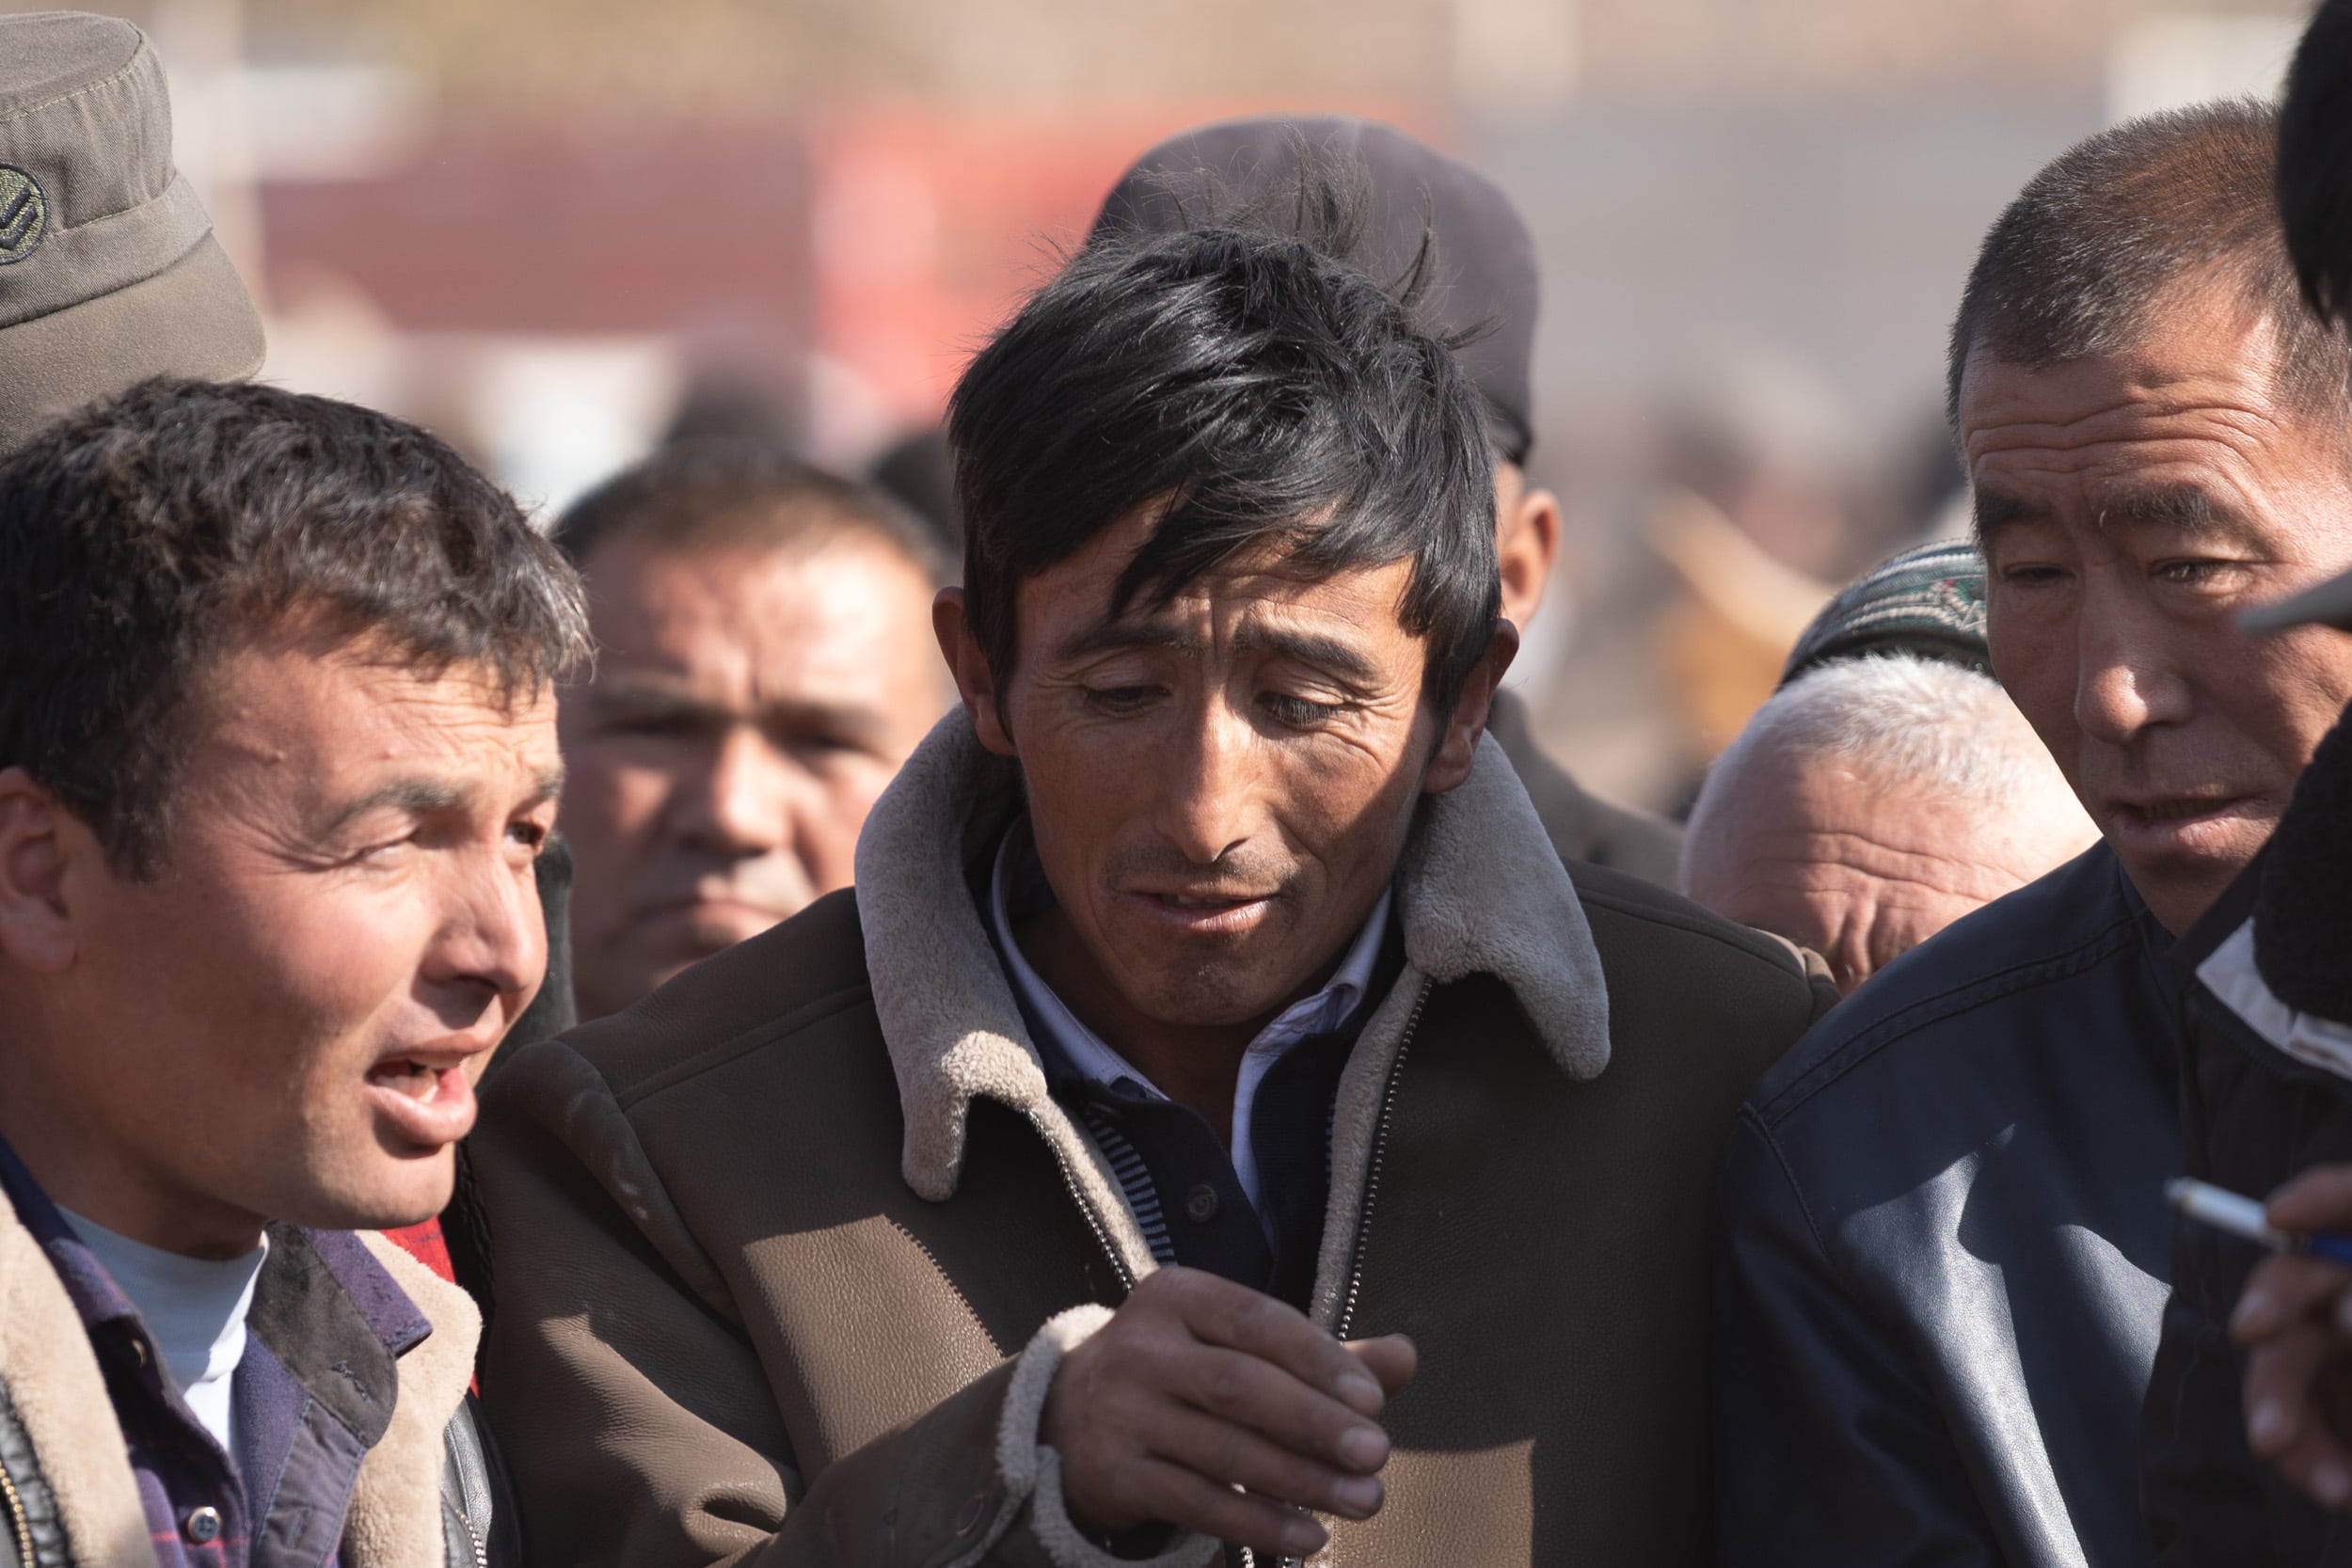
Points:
(657, 699)
(412, 797)
(1325, 653)
(2181, 506)
(426, 797)
(545, 786)
(1995, 511)
(1328, 654)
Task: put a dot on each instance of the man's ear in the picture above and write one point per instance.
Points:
(36, 928)
(1527, 543)
(1457, 746)
(968, 662)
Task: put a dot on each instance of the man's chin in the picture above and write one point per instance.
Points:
(391, 1193)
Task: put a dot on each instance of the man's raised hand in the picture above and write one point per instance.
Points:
(1198, 1386)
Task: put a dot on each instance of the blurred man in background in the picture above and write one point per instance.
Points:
(1873, 803)
(1946, 1262)
(765, 663)
(1889, 786)
(1485, 294)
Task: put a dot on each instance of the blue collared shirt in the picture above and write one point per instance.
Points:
(312, 1393)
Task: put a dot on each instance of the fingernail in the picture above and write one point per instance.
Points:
(2330, 1485)
(1361, 1392)
(1364, 1448)
(1355, 1497)
(1302, 1536)
(2253, 1303)
(2266, 1423)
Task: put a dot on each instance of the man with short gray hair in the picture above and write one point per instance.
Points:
(1872, 802)
(1945, 1252)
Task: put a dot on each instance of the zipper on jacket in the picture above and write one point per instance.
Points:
(1094, 1221)
(19, 1526)
(473, 1538)
(1371, 1170)
(1372, 1192)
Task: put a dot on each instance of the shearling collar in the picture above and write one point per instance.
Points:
(1479, 888)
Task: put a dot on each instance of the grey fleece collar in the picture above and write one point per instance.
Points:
(1480, 890)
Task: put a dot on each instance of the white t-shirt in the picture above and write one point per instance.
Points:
(194, 1309)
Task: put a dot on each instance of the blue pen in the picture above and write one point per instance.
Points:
(2242, 1216)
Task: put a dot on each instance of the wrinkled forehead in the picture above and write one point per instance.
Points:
(1259, 598)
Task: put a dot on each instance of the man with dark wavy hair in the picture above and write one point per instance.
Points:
(1214, 1114)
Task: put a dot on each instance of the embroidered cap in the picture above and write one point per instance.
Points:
(1486, 285)
(1928, 602)
(109, 271)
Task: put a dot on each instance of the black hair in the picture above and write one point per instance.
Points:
(1263, 389)
(2315, 161)
(717, 491)
(149, 535)
(2080, 261)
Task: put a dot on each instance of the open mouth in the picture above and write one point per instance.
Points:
(427, 1099)
(408, 1076)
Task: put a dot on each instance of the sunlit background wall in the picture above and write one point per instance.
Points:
(546, 227)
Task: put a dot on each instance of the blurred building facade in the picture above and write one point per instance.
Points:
(532, 224)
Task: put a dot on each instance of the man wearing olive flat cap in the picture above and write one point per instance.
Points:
(1483, 297)
(109, 271)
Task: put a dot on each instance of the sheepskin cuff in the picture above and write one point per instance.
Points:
(1031, 1470)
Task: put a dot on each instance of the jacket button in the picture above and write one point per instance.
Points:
(968, 1516)
(201, 1526)
(1201, 1204)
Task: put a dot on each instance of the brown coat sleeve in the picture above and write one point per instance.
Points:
(636, 1417)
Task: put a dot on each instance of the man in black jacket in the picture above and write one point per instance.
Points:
(2267, 1090)
(1483, 295)
(1946, 1249)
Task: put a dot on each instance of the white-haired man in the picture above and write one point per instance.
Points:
(1872, 802)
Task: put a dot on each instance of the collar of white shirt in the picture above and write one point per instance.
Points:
(1088, 1054)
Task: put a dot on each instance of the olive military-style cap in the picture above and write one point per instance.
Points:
(1485, 280)
(109, 273)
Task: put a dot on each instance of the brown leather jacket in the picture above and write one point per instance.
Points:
(772, 1244)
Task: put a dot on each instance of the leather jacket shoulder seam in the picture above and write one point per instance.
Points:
(1949, 1003)
(757, 1037)
(1796, 1191)
(1771, 951)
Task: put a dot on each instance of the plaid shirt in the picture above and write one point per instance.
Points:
(312, 1394)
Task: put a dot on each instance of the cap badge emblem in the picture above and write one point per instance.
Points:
(24, 214)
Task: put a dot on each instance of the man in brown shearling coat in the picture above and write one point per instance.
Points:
(1215, 1115)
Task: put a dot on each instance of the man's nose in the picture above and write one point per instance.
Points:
(2124, 678)
(493, 938)
(1207, 799)
(739, 804)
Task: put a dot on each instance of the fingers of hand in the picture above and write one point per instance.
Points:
(1240, 1389)
(1220, 1312)
(1189, 1500)
(2284, 1291)
(1391, 1359)
(2282, 1423)
(1221, 1451)
(2319, 1199)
